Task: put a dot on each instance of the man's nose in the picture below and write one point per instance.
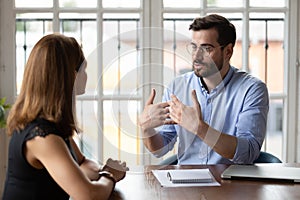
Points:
(199, 53)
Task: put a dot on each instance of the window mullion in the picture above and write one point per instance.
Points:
(290, 86)
(245, 38)
(56, 16)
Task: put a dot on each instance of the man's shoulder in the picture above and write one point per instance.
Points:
(244, 77)
(244, 82)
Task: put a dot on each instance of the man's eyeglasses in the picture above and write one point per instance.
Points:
(204, 50)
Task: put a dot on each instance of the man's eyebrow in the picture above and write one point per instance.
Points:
(202, 45)
(206, 44)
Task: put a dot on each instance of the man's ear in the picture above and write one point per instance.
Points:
(228, 50)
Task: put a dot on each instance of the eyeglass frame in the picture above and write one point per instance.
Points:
(205, 48)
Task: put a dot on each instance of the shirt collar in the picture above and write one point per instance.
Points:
(221, 85)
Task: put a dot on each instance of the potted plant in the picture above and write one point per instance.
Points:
(3, 108)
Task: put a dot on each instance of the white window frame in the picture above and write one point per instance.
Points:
(291, 135)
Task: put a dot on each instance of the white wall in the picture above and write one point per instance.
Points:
(298, 60)
(7, 84)
(3, 159)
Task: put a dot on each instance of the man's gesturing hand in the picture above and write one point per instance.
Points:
(154, 115)
(186, 116)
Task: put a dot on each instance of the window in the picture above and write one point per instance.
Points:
(120, 49)
(108, 111)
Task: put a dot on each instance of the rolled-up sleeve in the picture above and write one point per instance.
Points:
(252, 123)
(169, 138)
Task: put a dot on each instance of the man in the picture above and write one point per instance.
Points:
(217, 112)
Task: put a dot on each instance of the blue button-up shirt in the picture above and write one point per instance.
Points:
(238, 106)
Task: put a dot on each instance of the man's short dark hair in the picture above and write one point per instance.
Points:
(226, 30)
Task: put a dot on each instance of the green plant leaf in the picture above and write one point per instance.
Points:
(2, 100)
(2, 124)
(3, 108)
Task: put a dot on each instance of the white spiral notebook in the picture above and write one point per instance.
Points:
(185, 177)
(190, 176)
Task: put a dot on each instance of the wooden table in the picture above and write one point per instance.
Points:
(140, 184)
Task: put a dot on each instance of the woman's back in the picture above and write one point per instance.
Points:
(23, 180)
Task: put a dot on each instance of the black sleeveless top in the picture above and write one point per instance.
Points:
(24, 181)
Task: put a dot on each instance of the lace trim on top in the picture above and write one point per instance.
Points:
(44, 129)
(41, 129)
(37, 131)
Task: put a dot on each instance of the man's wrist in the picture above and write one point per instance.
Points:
(202, 130)
(149, 132)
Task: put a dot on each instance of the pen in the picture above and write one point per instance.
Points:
(169, 176)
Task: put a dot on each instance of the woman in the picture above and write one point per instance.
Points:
(44, 161)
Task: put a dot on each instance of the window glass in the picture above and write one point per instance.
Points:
(274, 136)
(87, 121)
(267, 3)
(30, 27)
(266, 15)
(121, 139)
(176, 37)
(266, 53)
(120, 54)
(78, 3)
(225, 3)
(181, 4)
(121, 3)
(237, 56)
(180, 16)
(33, 3)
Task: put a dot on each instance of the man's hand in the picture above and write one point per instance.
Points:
(154, 115)
(188, 117)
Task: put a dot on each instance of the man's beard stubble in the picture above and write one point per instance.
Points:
(209, 68)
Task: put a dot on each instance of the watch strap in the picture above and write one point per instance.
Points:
(107, 175)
